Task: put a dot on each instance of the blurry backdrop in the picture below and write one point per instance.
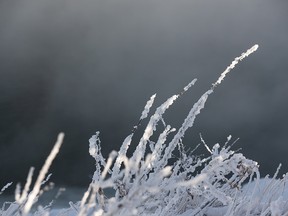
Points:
(83, 66)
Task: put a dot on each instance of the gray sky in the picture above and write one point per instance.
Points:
(80, 67)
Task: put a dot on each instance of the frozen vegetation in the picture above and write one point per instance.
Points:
(150, 183)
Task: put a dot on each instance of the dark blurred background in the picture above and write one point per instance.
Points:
(83, 66)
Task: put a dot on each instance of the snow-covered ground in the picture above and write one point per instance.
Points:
(260, 191)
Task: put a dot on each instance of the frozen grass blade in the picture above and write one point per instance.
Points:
(43, 172)
(20, 199)
(151, 126)
(234, 63)
(147, 107)
(5, 187)
(123, 149)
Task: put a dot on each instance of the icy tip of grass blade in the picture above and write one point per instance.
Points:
(255, 47)
(5, 187)
(147, 107)
(234, 63)
(189, 85)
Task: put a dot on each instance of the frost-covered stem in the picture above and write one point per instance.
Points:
(85, 196)
(188, 122)
(112, 155)
(92, 200)
(147, 107)
(123, 150)
(204, 143)
(95, 152)
(42, 174)
(141, 148)
(19, 199)
(186, 88)
(159, 145)
(121, 156)
(5, 187)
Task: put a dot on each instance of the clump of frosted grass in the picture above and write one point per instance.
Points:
(25, 200)
(148, 183)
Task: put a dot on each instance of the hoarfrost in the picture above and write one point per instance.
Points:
(147, 184)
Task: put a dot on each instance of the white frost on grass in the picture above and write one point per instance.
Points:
(23, 202)
(5, 187)
(149, 183)
(235, 62)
